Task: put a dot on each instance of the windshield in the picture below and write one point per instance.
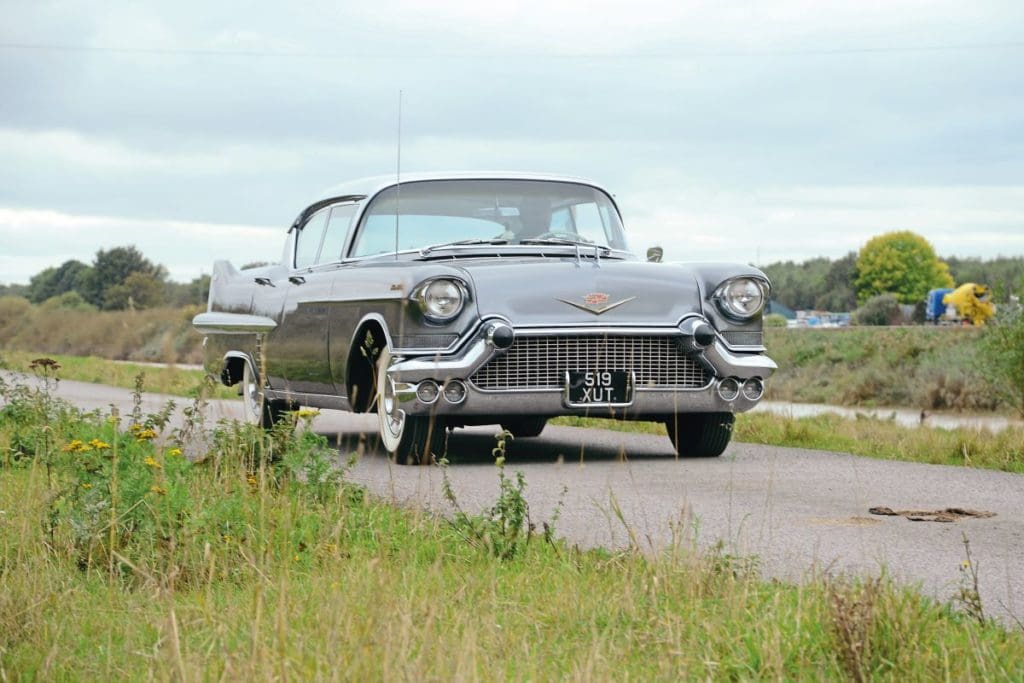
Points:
(437, 212)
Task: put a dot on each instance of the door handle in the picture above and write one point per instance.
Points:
(297, 280)
(264, 281)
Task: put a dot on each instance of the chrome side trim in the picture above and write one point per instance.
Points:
(330, 402)
(218, 322)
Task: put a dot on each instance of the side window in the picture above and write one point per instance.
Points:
(337, 231)
(307, 242)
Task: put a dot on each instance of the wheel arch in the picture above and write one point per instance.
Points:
(233, 367)
(360, 373)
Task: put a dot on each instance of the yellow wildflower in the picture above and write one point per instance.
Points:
(152, 463)
(99, 445)
(145, 435)
(87, 486)
(84, 448)
(226, 538)
(174, 452)
(73, 446)
(308, 413)
(158, 490)
(297, 558)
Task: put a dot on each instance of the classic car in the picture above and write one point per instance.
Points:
(445, 300)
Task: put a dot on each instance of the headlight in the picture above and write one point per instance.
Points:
(741, 298)
(441, 299)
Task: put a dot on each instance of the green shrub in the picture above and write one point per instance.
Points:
(775, 320)
(68, 301)
(1002, 355)
(883, 309)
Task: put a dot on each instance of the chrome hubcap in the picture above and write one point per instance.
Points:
(251, 396)
(392, 417)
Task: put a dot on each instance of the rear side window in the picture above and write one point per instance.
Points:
(337, 230)
(307, 242)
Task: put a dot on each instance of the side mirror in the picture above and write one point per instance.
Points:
(654, 254)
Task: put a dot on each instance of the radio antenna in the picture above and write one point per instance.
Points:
(398, 173)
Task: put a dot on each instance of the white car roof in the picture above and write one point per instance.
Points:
(372, 185)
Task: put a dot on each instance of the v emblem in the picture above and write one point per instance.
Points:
(595, 308)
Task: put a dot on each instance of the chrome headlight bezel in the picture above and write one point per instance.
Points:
(425, 297)
(728, 297)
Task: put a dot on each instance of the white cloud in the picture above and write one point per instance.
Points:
(43, 238)
(90, 153)
(796, 223)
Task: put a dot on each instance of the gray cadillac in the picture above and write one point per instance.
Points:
(447, 300)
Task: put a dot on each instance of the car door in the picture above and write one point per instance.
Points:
(304, 337)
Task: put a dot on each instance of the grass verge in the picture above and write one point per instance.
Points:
(863, 435)
(120, 558)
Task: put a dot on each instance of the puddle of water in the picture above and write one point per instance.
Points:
(902, 416)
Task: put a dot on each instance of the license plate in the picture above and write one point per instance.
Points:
(599, 388)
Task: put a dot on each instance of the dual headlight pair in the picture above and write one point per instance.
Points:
(442, 299)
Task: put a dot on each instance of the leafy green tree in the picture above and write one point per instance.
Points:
(798, 285)
(902, 263)
(1002, 354)
(838, 294)
(139, 290)
(70, 276)
(111, 268)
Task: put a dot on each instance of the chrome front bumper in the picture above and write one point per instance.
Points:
(718, 360)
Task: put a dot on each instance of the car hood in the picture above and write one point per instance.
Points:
(557, 291)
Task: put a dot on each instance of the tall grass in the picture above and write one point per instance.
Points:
(162, 335)
(256, 559)
(920, 367)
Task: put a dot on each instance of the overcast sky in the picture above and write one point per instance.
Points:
(728, 131)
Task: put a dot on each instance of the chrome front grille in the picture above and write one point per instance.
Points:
(541, 362)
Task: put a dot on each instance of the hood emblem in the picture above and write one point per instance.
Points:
(596, 303)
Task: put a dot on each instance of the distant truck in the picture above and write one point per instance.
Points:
(969, 303)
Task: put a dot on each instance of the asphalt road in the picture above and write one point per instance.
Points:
(795, 509)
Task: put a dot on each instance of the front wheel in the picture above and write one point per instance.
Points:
(255, 406)
(700, 435)
(412, 439)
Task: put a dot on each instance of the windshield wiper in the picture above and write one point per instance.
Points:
(460, 243)
(567, 242)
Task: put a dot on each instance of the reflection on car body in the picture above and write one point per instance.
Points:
(456, 299)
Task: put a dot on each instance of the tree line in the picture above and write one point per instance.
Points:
(900, 263)
(117, 279)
